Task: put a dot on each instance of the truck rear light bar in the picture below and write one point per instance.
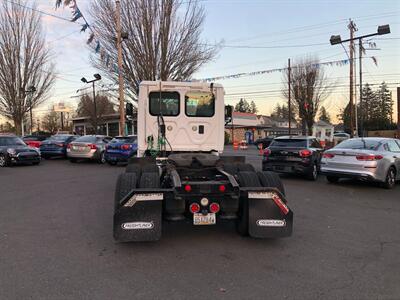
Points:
(214, 207)
(194, 208)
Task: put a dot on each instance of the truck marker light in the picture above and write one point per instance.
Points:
(194, 208)
(222, 188)
(282, 206)
(188, 188)
(214, 207)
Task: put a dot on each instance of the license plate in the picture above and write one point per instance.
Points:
(200, 219)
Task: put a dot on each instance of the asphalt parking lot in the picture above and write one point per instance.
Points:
(56, 243)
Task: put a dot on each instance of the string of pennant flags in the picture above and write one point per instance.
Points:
(95, 44)
(255, 73)
(92, 41)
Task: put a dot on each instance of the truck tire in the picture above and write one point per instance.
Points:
(246, 179)
(149, 180)
(134, 168)
(125, 183)
(271, 179)
(150, 168)
(245, 167)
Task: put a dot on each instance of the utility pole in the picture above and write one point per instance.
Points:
(360, 49)
(289, 100)
(351, 27)
(95, 110)
(398, 112)
(120, 78)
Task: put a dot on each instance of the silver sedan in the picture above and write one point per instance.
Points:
(374, 159)
(90, 147)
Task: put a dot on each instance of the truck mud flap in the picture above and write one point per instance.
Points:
(139, 218)
(269, 216)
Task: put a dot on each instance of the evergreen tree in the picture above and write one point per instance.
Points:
(253, 108)
(324, 115)
(243, 106)
(283, 112)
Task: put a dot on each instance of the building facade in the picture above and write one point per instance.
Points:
(109, 125)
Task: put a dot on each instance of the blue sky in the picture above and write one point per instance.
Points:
(253, 23)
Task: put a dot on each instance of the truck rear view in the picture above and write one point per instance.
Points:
(179, 173)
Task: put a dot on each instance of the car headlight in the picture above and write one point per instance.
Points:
(11, 151)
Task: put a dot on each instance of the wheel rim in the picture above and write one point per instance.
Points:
(2, 161)
(315, 171)
(391, 179)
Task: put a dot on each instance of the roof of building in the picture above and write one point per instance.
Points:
(322, 123)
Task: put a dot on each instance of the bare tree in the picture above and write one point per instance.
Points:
(51, 122)
(309, 88)
(25, 61)
(164, 40)
(103, 107)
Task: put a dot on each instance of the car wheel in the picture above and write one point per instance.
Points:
(112, 163)
(72, 160)
(36, 163)
(102, 159)
(313, 175)
(332, 179)
(390, 180)
(3, 161)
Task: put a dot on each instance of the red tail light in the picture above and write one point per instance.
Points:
(328, 155)
(92, 146)
(214, 207)
(222, 188)
(194, 208)
(267, 152)
(305, 153)
(69, 146)
(125, 147)
(282, 206)
(369, 157)
(188, 188)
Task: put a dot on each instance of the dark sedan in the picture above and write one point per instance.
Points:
(56, 145)
(121, 149)
(294, 155)
(14, 151)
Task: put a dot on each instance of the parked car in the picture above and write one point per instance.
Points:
(56, 145)
(90, 147)
(265, 142)
(121, 148)
(293, 155)
(34, 141)
(13, 150)
(375, 159)
(340, 136)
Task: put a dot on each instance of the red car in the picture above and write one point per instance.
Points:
(34, 140)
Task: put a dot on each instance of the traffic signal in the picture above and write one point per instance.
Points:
(129, 109)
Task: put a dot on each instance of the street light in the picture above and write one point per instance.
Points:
(336, 39)
(97, 78)
(31, 89)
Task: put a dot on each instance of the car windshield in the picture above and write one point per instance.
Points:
(289, 143)
(359, 144)
(59, 138)
(11, 141)
(86, 139)
(124, 139)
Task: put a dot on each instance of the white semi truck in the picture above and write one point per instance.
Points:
(179, 173)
